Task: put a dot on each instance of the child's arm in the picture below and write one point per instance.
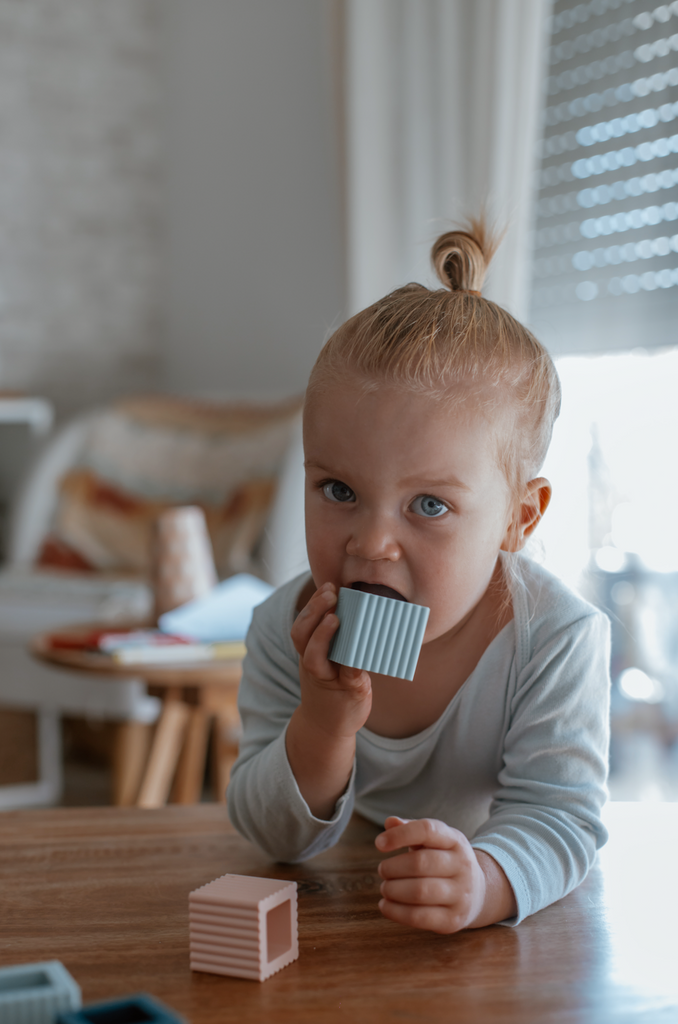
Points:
(335, 704)
(441, 883)
(264, 800)
(544, 824)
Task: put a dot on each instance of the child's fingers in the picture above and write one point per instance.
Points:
(419, 832)
(354, 678)
(432, 919)
(309, 618)
(425, 892)
(423, 863)
(394, 820)
(434, 884)
(314, 657)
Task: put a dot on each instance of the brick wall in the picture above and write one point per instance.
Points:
(79, 198)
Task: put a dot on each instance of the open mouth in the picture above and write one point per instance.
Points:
(378, 590)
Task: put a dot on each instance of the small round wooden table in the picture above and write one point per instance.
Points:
(152, 764)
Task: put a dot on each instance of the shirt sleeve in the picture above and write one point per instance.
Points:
(264, 801)
(544, 825)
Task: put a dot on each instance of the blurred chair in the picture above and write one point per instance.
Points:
(81, 533)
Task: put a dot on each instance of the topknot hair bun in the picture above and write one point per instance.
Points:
(461, 258)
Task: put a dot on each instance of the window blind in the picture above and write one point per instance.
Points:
(605, 269)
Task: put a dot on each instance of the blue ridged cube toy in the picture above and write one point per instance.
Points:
(378, 634)
(138, 1009)
(36, 993)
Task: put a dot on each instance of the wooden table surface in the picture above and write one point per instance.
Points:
(105, 891)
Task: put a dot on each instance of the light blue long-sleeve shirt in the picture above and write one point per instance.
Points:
(517, 761)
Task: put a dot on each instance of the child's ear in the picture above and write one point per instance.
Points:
(528, 513)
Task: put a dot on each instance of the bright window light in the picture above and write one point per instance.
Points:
(610, 559)
(611, 464)
(637, 685)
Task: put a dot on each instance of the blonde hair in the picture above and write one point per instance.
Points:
(433, 340)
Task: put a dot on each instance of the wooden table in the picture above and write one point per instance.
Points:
(150, 765)
(105, 891)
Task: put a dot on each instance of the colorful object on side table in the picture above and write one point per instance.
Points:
(139, 1009)
(243, 926)
(77, 641)
(184, 561)
(137, 638)
(180, 654)
(36, 993)
(107, 642)
(378, 634)
(147, 647)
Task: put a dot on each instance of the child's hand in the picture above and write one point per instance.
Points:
(438, 884)
(334, 698)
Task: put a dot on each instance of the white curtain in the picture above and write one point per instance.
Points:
(442, 107)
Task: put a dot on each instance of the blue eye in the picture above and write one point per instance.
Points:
(427, 505)
(336, 491)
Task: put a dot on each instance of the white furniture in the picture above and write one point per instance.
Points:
(36, 413)
(34, 600)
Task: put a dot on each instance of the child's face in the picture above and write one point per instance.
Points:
(405, 492)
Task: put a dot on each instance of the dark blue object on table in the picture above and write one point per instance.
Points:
(138, 1009)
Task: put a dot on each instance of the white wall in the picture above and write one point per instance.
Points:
(254, 253)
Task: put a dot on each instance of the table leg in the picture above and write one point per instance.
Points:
(131, 744)
(191, 768)
(226, 733)
(162, 763)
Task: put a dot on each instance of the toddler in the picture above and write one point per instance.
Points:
(427, 419)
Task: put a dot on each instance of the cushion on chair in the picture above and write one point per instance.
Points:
(147, 454)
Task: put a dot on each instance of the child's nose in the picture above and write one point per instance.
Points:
(373, 539)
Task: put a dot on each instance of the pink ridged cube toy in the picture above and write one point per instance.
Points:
(243, 926)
